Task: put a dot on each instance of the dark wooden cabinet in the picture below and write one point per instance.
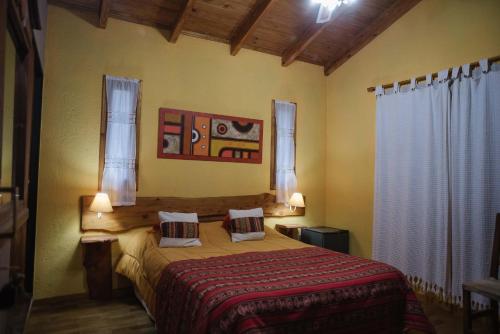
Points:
(327, 237)
(97, 262)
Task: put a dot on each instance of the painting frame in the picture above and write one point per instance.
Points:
(189, 116)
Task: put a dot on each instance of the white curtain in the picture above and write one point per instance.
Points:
(437, 178)
(119, 179)
(411, 183)
(286, 181)
(474, 172)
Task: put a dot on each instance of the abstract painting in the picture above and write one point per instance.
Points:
(199, 136)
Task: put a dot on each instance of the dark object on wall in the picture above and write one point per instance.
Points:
(198, 136)
(327, 237)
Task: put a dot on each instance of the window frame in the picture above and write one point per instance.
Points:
(103, 131)
(272, 184)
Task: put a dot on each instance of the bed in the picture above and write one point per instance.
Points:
(276, 285)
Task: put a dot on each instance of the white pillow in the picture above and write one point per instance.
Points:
(179, 242)
(177, 217)
(169, 217)
(237, 237)
(257, 212)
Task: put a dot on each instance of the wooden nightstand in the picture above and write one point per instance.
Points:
(97, 262)
(290, 230)
(327, 237)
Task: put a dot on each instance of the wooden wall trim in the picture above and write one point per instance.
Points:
(272, 185)
(145, 212)
(102, 133)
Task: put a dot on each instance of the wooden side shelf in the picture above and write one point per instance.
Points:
(97, 262)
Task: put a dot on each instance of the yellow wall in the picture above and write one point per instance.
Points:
(436, 34)
(193, 74)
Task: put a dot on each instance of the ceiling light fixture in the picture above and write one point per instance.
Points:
(327, 7)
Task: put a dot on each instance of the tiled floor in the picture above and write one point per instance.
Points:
(124, 314)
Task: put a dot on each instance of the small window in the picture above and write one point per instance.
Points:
(118, 153)
(283, 149)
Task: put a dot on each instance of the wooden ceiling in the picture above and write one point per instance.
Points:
(286, 28)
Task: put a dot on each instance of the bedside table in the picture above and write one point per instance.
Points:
(290, 230)
(327, 237)
(97, 262)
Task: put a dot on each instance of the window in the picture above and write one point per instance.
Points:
(118, 167)
(283, 135)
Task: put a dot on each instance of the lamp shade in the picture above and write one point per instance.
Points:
(297, 200)
(101, 203)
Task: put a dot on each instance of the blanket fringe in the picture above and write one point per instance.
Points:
(438, 294)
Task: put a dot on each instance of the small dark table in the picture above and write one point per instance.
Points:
(97, 261)
(327, 237)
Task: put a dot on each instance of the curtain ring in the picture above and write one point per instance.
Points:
(413, 84)
(395, 87)
(454, 72)
(466, 70)
(379, 90)
(428, 79)
(484, 65)
(443, 75)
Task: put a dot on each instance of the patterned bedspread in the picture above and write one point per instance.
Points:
(287, 291)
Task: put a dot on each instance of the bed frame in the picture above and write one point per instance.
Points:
(145, 212)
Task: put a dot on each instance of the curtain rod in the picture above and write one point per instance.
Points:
(434, 75)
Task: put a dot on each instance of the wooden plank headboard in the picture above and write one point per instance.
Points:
(145, 212)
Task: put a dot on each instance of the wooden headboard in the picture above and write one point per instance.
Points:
(145, 212)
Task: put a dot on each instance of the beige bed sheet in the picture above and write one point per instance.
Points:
(143, 261)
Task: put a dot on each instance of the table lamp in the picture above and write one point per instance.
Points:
(100, 204)
(296, 201)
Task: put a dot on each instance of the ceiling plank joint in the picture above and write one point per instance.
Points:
(181, 19)
(104, 9)
(248, 26)
(381, 23)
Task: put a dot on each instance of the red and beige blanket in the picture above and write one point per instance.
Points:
(287, 291)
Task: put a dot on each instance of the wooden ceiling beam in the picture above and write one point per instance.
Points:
(181, 19)
(307, 37)
(104, 8)
(249, 25)
(381, 23)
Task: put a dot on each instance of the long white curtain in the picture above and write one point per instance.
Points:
(437, 178)
(474, 172)
(119, 179)
(286, 180)
(411, 183)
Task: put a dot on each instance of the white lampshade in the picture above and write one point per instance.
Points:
(297, 200)
(101, 203)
